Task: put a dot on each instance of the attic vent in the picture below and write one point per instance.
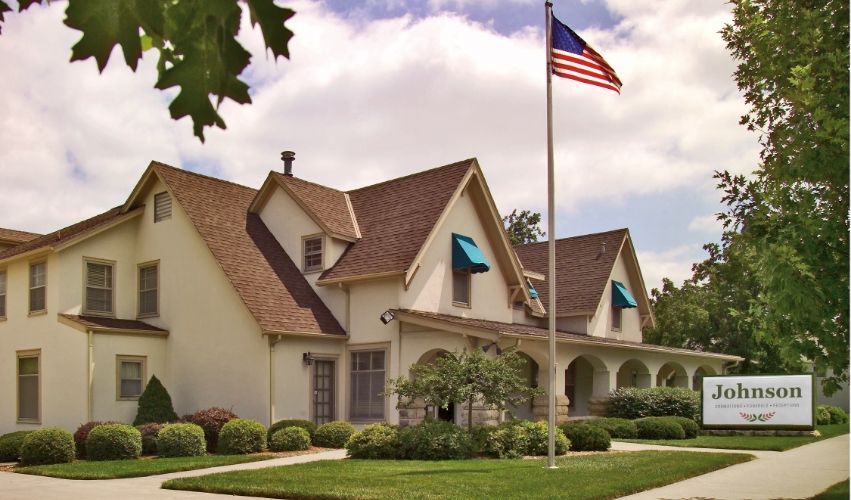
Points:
(162, 206)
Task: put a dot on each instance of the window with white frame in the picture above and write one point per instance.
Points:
(312, 253)
(461, 287)
(162, 206)
(131, 376)
(367, 385)
(99, 288)
(38, 287)
(2, 294)
(29, 371)
(149, 286)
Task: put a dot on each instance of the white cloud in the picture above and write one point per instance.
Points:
(706, 224)
(674, 264)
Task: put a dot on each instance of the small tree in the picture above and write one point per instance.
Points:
(155, 404)
(464, 378)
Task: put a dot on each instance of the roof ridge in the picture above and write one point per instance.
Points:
(573, 237)
(414, 174)
(203, 176)
(279, 174)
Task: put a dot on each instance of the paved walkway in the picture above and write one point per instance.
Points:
(798, 473)
(801, 472)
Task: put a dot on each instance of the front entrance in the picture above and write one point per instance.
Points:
(323, 391)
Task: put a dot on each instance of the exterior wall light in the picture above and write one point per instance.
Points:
(387, 317)
(307, 358)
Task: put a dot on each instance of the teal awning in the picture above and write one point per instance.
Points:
(621, 296)
(466, 255)
(532, 292)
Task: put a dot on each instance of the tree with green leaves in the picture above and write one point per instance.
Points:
(791, 218)
(466, 377)
(195, 40)
(524, 227)
(155, 404)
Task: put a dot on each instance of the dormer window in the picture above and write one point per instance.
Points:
(467, 260)
(617, 312)
(162, 207)
(621, 298)
(312, 250)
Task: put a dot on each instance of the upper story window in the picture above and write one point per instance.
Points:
(617, 313)
(461, 283)
(2, 294)
(149, 289)
(621, 298)
(313, 247)
(467, 259)
(99, 288)
(162, 206)
(38, 287)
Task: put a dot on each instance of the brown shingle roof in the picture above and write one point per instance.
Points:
(582, 270)
(64, 234)
(264, 276)
(16, 237)
(327, 204)
(514, 329)
(395, 218)
(99, 323)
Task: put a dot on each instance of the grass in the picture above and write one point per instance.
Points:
(769, 443)
(576, 477)
(838, 491)
(114, 469)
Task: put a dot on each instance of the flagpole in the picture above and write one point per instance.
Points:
(551, 229)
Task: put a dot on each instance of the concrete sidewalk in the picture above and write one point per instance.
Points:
(801, 472)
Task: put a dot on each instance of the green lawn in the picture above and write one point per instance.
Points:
(607, 475)
(838, 491)
(770, 443)
(114, 469)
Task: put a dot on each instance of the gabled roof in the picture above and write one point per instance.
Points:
(328, 207)
(395, 219)
(15, 237)
(66, 234)
(266, 279)
(582, 269)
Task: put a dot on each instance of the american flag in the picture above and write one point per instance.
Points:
(575, 59)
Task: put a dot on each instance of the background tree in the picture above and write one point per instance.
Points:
(524, 227)
(466, 377)
(195, 39)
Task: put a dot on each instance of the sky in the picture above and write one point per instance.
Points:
(376, 89)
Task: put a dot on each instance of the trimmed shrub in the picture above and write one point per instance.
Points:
(690, 427)
(376, 441)
(290, 439)
(822, 415)
(434, 440)
(155, 404)
(587, 437)
(616, 427)
(837, 414)
(333, 434)
(632, 402)
(211, 420)
(508, 441)
(479, 435)
(114, 442)
(10, 445)
(307, 425)
(82, 433)
(659, 428)
(539, 438)
(242, 436)
(47, 446)
(149, 437)
(181, 440)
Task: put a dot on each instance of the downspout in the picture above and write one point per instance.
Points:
(272, 343)
(90, 371)
(729, 365)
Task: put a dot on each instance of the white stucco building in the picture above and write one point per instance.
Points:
(269, 302)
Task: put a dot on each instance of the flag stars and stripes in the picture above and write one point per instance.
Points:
(573, 58)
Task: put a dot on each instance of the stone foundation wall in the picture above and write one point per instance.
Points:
(597, 407)
(540, 408)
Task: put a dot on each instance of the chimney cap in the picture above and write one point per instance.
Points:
(288, 157)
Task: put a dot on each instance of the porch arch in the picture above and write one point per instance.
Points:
(586, 377)
(446, 414)
(530, 372)
(672, 374)
(634, 373)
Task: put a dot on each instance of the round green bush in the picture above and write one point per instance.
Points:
(618, 428)
(539, 438)
(47, 446)
(82, 433)
(10, 445)
(242, 436)
(508, 441)
(822, 415)
(290, 439)
(633, 402)
(307, 425)
(181, 440)
(211, 420)
(114, 442)
(333, 434)
(587, 437)
(149, 437)
(376, 441)
(659, 428)
(837, 414)
(690, 427)
(434, 440)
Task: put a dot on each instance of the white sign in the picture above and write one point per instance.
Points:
(758, 401)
